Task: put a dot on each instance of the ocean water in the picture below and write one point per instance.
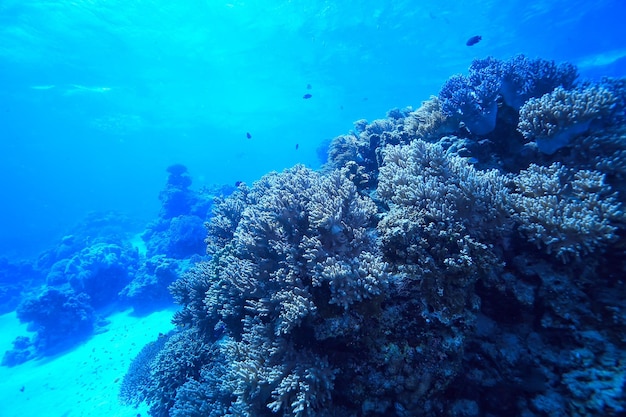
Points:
(100, 99)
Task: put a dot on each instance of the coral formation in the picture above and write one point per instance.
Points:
(174, 241)
(58, 317)
(475, 99)
(16, 277)
(567, 212)
(179, 230)
(555, 118)
(137, 379)
(100, 266)
(524, 78)
(443, 263)
(99, 271)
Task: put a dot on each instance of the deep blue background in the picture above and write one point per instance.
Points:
(99, 97)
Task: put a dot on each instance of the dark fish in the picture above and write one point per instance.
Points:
(238, 183)
(297, 146)
(308, 86)
(307, 96)
(248, 135)
(473, 40)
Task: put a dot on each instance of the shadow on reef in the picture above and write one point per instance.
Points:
(462, 259)
(102, 266)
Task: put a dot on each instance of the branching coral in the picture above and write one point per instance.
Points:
(299, 242)
(474, 105)
(361, 151)
(473, 99)
(568, 213)
(137, 380)
(439, 206)
(555, 118)
(179, 360)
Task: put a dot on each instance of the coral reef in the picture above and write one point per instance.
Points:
(16, 278)
(439, 265)
(148, 291)
(523, 78)
(360, 152)
(440, 211)
(60, 318)
(99, 271)
(179, 231)
(174, 241)
(101, 265)
(137, 380)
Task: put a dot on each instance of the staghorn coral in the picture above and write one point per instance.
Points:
(555, 118)
(566, 212)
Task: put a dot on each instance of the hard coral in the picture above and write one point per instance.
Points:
(440, 210)
(566, 212)
(555, 118)
(298, 242)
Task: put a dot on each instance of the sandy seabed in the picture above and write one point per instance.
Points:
(84, 381)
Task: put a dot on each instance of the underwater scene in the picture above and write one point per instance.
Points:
(307, 208)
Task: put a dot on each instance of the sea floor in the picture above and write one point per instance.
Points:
(82, 382)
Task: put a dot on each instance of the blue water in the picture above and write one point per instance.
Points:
(120, 121)
(99, 97)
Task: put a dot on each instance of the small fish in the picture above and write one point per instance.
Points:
(473, 40)
(248, 135)
(238, 183)
(308, 86)
(297, 146)
(307, 96)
